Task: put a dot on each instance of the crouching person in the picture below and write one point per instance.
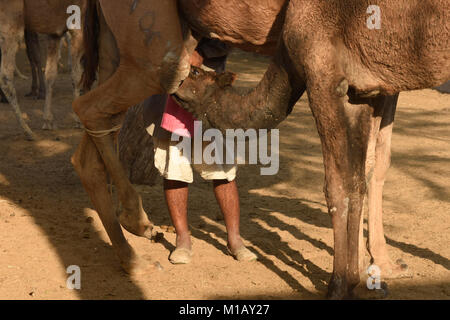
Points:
(177, 169)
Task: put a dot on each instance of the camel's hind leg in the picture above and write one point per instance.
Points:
(9, 47)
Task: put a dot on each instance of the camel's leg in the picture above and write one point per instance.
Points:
(75, 45)
(67, 36)
(369, 168)
(151, 61)
(34, 55)
(133, 217)
(345, 127)
(51, 72)
(100, 109)
(91, 170)
(377, 242)
(96, 182)
(9, 47)
(30, 54)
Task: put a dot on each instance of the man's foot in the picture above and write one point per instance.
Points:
(183, 252)
(180, 256)
(242, 254)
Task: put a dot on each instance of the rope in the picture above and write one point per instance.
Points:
(103, 133)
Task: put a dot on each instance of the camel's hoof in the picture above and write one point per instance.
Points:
(397, 270)
(139, 228)
(337, 289)
(32, 94)
(48, 125)
(30, 136)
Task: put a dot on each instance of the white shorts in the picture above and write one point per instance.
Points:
(173, 165)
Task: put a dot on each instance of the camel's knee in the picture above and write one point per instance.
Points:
(83, 109)
(87, 163)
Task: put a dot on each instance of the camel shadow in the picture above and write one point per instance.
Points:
(265, 216)
(58, 206)
(39, 183)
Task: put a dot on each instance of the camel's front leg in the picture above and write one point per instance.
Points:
(100, 111)
(344, 124)
(153, 59)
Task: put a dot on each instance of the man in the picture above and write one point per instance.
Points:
(178, 173)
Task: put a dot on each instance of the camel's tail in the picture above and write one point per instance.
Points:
(90, 37)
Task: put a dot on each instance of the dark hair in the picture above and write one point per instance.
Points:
(214, 53)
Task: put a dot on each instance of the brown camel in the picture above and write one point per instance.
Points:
(353, 74)
(36, 16)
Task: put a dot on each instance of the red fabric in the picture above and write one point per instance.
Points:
(177, 120)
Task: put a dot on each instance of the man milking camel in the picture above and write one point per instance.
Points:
(177, 171)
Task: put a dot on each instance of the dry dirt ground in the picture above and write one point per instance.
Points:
(45, 225)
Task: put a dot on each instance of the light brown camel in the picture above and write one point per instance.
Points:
(352, 73)
(37, 16)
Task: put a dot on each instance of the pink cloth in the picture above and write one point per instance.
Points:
(177, 120)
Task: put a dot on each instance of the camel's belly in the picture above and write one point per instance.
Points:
(251, 25)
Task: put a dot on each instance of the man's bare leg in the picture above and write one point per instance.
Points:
(228, 199)
(176, 193)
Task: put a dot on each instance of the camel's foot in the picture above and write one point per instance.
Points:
(141, 227)
(136, 266)
(397, 270)
(337, 289)
(48, 125)
(41, 96)
(31, 94)
(29, 135)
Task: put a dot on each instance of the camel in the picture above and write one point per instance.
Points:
(37, 16)
(352, 74)
(34, 56)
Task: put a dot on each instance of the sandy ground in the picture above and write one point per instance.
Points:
(45, 225)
